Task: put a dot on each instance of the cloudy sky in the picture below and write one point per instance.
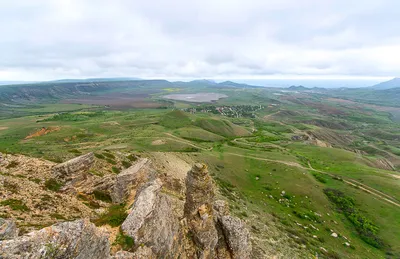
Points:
(52, 39)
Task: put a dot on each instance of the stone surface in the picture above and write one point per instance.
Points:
(237, 237)
(78, 239)
(131, 177)
(143, 252)
(73, 170)
(8, 229)
(151, 221)
(199, 210)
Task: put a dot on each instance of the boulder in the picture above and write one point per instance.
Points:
(151, 221)
(237, 237)
(131, 177)
(8, 229)
(198, 210)
(78, 239)
(73, 170)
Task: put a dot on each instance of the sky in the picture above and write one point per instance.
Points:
(250, 39)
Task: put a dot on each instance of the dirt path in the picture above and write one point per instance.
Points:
(362, 186)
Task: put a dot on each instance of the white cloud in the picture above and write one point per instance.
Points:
(47, 39)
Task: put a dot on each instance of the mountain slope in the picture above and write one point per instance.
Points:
(393, 83)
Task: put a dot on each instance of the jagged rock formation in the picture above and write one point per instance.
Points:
(198, 210)
(73, 170)
(161, 222)
(78, 239)
(151, 221)
(8, 229)
(130, 178)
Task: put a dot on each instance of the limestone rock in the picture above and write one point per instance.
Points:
(131, 177)
(79, 239)
(199, 210)
(8, 229)
(237, 237)
(73, 170)
(151, 221)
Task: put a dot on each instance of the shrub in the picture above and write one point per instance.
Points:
(15, 204)
(114, 217)
(109, 160)
(53, 185)
(126, 242)
(102, 196)
(109, 155)
(320, 177)
(365, 228)
(126, 164)
(132, 157)
(100, 156)
(115, 170)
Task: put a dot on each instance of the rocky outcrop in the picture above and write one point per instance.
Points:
(199, 210)
(73, 170)
(130, 178)
(151, 221)
(232, 232)
(141, 253)
(78, 239)
(8, 229)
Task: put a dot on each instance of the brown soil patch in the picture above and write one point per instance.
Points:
(43, 131)
(158, 142)
(3, 128)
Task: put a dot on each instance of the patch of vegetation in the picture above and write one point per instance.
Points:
(15, 204)
(109, 160)
(320, 177)
(115, 170)
(126, 164)
(53, 185)
(132, 157)
(124, 241)
(99, 156)
(94, 172)
(109, 155)
(114, 217)
(57, 216)
(365, 228)
(12, 164)
(75, 151)
(102, 196)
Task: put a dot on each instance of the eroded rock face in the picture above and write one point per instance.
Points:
(141, 253)
(237, 237)
(8, 229)
(73, 170)
(77, 239)
(130, 178)
(199, 210)
(151, 221)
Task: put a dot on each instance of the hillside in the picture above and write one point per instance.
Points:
(393, 83)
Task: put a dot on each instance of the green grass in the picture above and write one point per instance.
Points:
(114, 217)
(53, 185)
(198, 134)
(124, 241)
(15, 204)
(221, 127)
(175, 119)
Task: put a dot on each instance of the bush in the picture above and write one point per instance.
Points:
(109, 160)
(114, 217)
(109, 155)
(126, 242)
(115, 170)
(15, 204)
(320, 177)
(365, 228)
(102, 196)
(100, 156)
(132, 157)
(53, 185)
(126, 164)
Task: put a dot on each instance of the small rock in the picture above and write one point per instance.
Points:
(334, 235)
(347, 244)
(314, 236)
(73, 170)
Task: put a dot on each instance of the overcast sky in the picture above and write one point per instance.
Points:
(52, 39)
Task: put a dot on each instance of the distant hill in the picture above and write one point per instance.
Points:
(394, 83)
(112, 79)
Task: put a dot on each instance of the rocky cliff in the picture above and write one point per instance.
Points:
(157, 217)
